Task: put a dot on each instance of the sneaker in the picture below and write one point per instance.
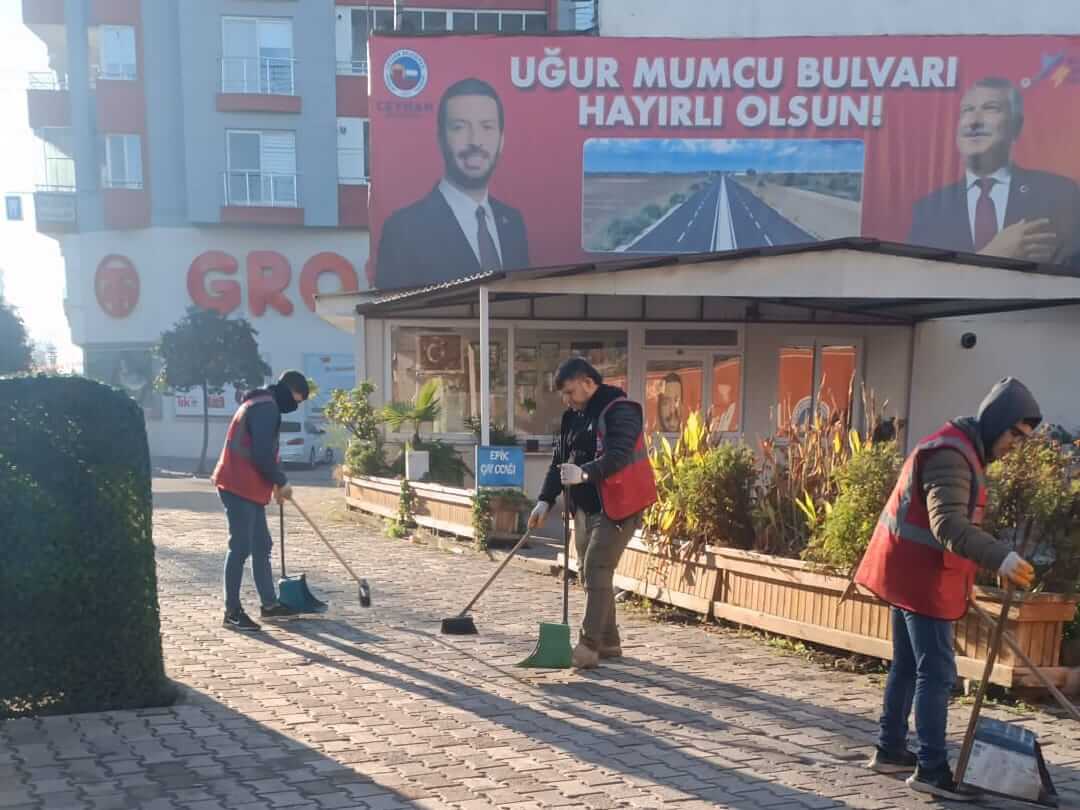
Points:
(238, 620)
(584, 657)
(939, 782)
(892, 761)
(277, 611)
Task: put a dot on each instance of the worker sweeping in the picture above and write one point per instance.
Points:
(922, 560)
(602, 463)
(247, 476)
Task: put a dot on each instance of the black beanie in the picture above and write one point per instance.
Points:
(295, 381)
(1008, 402)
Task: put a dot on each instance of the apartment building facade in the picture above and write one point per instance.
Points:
(217, 154)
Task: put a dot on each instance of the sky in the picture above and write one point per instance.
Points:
(722, 154)
(31, 264)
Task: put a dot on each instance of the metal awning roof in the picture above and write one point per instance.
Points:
(865, 279)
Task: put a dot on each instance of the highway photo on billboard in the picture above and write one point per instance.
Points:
(658, 195)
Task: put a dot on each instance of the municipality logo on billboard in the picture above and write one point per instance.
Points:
(405, 73)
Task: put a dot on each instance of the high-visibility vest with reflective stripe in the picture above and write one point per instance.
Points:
(236, 471)
(633, 488)
(905, 565)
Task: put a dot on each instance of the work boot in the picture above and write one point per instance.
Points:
(238, 620)
(277, 611)
(584, 656)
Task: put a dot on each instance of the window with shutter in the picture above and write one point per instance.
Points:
(278, 157)
(352, 151)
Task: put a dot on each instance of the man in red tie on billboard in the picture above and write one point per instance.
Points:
(999, 208)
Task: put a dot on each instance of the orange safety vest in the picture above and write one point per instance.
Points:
(633, 488)
(905, 565)
(235, 471)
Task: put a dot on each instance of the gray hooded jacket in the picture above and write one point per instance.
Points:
(946, 479)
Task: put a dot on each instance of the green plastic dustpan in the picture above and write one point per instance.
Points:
(552, 648)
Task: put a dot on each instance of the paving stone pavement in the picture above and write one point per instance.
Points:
(374, 709)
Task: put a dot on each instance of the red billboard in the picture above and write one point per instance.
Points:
(509, 152)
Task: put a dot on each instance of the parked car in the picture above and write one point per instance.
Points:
(301, 442)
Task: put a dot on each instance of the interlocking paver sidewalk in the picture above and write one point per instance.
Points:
(375, 709)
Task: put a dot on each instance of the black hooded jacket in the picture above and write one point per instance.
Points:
(947, 482)
(577, 445)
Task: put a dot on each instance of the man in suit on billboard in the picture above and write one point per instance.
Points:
(458, 229)
(999, 208)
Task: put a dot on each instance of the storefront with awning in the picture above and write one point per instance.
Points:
(752, 339)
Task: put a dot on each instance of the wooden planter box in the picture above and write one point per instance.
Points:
(689, 584)
(445, 509)
(791, 598)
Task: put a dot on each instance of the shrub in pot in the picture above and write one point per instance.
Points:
(706, 493)
(353, 411)
(1034, 505)
(842, 530)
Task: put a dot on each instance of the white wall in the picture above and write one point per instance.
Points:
(1041, 348)
(162, 257)
(702, 19)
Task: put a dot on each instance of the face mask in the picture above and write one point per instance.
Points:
(284, 399)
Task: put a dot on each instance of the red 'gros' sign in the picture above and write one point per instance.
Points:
(269, 276)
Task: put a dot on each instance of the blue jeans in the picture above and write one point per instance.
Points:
(922, 675)
(249, 536)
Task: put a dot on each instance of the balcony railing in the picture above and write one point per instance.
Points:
(114, 72)
(352, 67)
(266, 75)
(54, 188)
(47, 80)
(59, 176)
(349, 160)
(120, 182)
(261, 189)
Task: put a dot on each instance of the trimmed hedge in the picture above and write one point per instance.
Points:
(79, 624)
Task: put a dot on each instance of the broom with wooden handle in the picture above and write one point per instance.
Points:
(462, 624)
(363, 589)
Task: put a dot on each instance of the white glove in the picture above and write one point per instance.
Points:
(571, 474)
(539, 512)
(1018, 570)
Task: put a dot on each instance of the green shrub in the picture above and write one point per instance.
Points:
(706, 494)
(864, 481)
(365, 458)
(483, 519)
(406, 516)
(716, 495)
(395, 529)
(79, 627)
(1034, 505)
(353, 412)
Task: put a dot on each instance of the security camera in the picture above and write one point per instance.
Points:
(967, 340)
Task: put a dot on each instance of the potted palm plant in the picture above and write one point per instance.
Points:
(425, 408)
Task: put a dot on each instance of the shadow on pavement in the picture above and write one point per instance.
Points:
(563, 717)
(194, 754)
